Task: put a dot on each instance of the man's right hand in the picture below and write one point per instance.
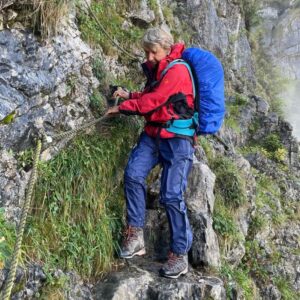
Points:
(112, 111)
(121, 94)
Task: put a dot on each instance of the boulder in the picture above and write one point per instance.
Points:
(139, 280)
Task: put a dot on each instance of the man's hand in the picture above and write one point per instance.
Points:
(114, 110)
(121, 94)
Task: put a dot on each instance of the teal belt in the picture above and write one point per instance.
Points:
(183, 127)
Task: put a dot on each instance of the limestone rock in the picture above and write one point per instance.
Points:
(48, 85)
(200, 202)
(140, 281)
(32, 280)
(205, 247)
(218, 26)
(200, 195)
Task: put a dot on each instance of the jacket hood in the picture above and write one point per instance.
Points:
(176, 52)
(149, 70)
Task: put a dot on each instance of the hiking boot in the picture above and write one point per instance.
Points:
(176, 265)
(133, 243)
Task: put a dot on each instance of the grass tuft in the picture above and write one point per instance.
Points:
(229, 182)
(78, 204)
(7, 239)
(43, 16)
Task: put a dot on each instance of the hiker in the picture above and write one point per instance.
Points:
(162, 100)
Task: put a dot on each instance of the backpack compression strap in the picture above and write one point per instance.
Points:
(179, 62)
(182, 127)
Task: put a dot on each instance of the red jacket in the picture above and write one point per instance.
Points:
(152, 103)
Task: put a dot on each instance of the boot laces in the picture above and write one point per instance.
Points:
(172, 259)
(129, 234)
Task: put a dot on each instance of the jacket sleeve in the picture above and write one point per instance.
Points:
(135, 95)
(149, 102)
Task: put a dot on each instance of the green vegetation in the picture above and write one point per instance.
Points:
(286, 289)
(233, 111)
(223, 221)
(250, 10)
(78, 205)
(8, 119)
(225, 225)
(230, 193)
(97, 103)
(7, 239)
(267, 193)
(207, 147)
(255, 260)
(268, 213)
(111, 14)
(274, 147)
(55, 287)
(270, 147)
(241, 277)
(44, 17)
(229, 182)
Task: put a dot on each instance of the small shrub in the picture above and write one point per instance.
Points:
(272, 143)
(223, 222)
(250, 9)
(240, 99)
(223, 226)
(255, 261)
(97, 103)
(229, 182)
(275, 148)
(233, 111)
(241, 277)
(256, 224)
(280, 155)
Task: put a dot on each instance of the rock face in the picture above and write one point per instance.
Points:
(34, 279)
(281, 24)
(47, 86)
(200, 203)
(219, 27)
(42, 86)
(139, 281)
(281, 39)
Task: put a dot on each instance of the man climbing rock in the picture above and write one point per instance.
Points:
(167, 97)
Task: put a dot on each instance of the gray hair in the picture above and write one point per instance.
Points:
(157, 36)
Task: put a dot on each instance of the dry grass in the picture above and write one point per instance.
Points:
(48, 15)
(43, 16)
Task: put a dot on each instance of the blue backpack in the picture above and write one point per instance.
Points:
(207, 75)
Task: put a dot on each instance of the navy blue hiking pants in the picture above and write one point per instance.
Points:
(176, 157)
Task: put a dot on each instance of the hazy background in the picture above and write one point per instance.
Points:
(291, 106)
(281, 39)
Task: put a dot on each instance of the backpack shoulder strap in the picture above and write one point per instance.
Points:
(179, 62)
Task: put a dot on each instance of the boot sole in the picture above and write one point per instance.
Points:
(139, 253)
(177, 275)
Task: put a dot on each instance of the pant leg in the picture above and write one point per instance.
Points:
(141, 161)
(177, 157)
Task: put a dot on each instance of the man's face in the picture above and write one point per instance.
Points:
(155, 54)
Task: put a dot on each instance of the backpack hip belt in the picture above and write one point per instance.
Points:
(182, 127)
